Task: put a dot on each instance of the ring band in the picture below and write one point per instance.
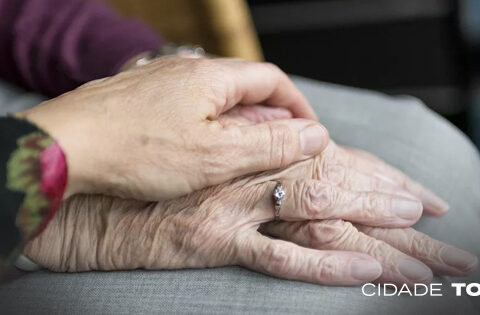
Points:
(277, 212)
(278, 196)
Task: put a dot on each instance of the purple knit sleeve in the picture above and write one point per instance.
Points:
(52, 46)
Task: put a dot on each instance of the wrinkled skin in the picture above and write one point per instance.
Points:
(223, 225)
(152, 133)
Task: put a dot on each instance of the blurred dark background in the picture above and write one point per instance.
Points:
(426, 48)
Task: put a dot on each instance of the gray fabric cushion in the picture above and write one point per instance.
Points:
(231, 290)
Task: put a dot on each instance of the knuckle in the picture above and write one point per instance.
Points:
(420, 245)
(329, 234)
(278, 262)
(373, 204)
(319, 200)
(328, 267)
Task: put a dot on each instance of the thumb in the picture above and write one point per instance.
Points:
(275, 144)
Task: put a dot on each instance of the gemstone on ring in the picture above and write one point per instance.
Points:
(278, 194)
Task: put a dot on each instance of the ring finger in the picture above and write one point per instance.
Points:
(315, 200)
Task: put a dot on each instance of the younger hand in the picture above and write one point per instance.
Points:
(152, 133)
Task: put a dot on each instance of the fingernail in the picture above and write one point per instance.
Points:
(459, 259)
(415, 271)
(365, 270)
(407, 209)
(434, 202)
(313, 139)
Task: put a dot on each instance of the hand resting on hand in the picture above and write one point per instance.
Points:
(341, 225)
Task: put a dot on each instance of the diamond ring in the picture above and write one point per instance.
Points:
(278, 196)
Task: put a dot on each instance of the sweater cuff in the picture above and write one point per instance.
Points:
(37, 169)
(34, 177)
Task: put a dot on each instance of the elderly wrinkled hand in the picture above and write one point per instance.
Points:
(152, 132)
(223, 225)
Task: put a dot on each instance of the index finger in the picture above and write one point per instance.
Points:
(252, 83)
